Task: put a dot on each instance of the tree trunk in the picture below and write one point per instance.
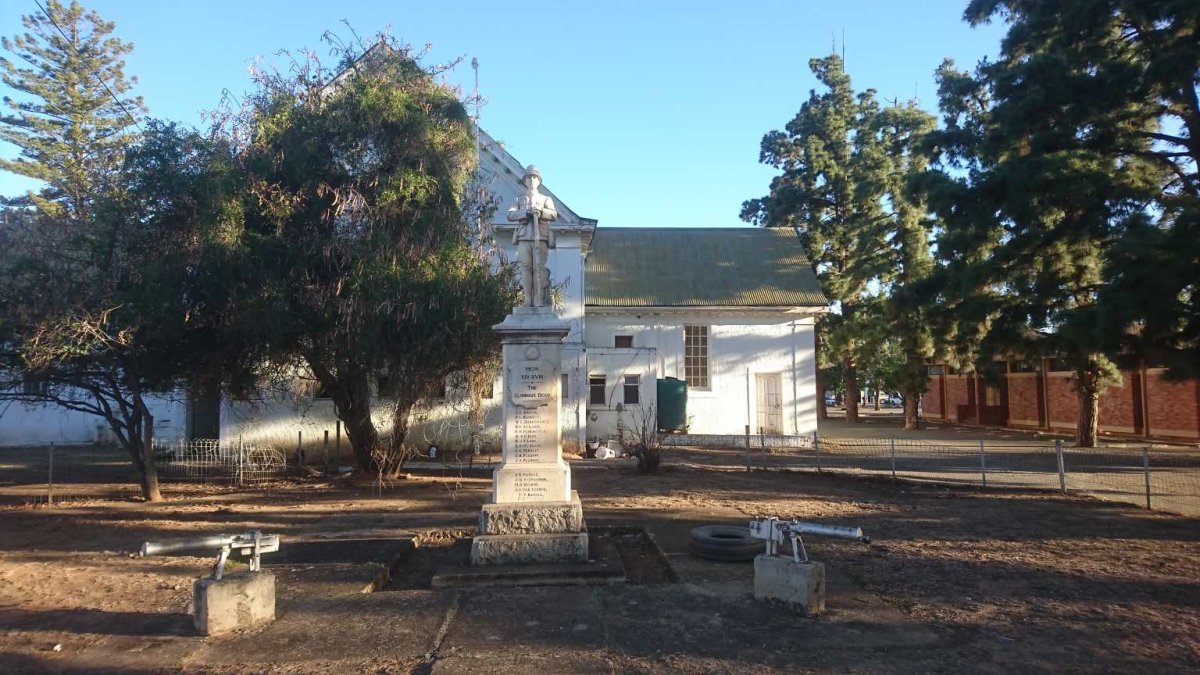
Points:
(911, 422)
(877, 398)
(139, 442)
(915, 383)
(1087, 386)
(149, 474)
(851, 389)
(352, 400)
(397, 456)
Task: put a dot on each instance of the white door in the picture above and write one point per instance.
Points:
(770, 403)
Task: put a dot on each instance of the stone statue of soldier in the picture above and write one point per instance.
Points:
(533, 237)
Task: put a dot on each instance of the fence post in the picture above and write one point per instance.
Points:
(982, 463)
(50, 478)
(1062, 471)
(300, 449)
(817, 448)
(241, 462)
(337, 443)
(747, 448)
(892, 441)
(325, 451)
(762, 441)
(1146, 470)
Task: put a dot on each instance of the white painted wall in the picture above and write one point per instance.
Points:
(738, 344)
(22, 424)
(615, 364)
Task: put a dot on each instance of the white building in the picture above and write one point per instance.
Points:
(728, 310)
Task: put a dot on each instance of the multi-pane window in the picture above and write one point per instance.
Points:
(695, 356)
(596, 385)
(633, 390)
(35, 387)
(623, 341)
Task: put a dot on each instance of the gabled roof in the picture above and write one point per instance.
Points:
(501, 173)
(699, 267)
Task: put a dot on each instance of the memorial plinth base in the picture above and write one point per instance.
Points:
(529, 549)
(533, 517)
(525, 533)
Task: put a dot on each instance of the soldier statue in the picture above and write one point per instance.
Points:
(533, 237)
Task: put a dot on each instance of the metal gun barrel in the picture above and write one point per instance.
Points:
(838, 531)
(207, 544)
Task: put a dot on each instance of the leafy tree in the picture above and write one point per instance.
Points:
(1033, 194)
(820, 193)
(364, 273)
(75, 119)
(125, 307)
(86, 308)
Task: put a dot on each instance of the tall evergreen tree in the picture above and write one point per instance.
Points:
(900, 136)
(74, 118)
(1133, 76)
(1036, 198)
(829, 192)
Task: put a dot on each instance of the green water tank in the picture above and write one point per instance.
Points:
(672, 404)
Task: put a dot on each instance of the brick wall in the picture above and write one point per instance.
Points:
(1062, 401)
(1172, 408)
(1117, 406)
(1023, 407)
(931, 401)
(956, 395)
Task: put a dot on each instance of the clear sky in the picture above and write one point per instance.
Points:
(642, 113)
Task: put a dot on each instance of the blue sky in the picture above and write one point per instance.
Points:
(638, 113)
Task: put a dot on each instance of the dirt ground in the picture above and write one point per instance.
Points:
(954, 581)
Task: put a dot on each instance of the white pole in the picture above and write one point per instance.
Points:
(795, 399)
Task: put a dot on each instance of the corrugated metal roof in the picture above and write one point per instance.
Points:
(699, 267)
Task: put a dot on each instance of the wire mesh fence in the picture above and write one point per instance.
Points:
(213, 461)
(55, 473)
(1158, 478)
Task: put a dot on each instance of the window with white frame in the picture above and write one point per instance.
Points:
(695, 357)
(633, 389)
(596, 384)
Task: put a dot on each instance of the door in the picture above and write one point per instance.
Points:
(770, 403)
(204, 416)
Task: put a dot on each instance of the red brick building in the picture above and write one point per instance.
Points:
(1040, 396)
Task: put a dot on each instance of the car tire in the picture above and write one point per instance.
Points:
(724, 543)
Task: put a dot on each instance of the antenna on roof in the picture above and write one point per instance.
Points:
(475, 67)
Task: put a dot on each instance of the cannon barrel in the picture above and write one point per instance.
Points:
(837, 531)
(206, 544)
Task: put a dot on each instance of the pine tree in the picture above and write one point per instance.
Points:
(73, 122)
(844, 162)
(1054, 153)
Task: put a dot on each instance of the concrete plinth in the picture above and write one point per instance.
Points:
(533, 517)
(529, 549)
(238, 601)
(799, 584)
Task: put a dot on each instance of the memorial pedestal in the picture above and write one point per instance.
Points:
(533, 516)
